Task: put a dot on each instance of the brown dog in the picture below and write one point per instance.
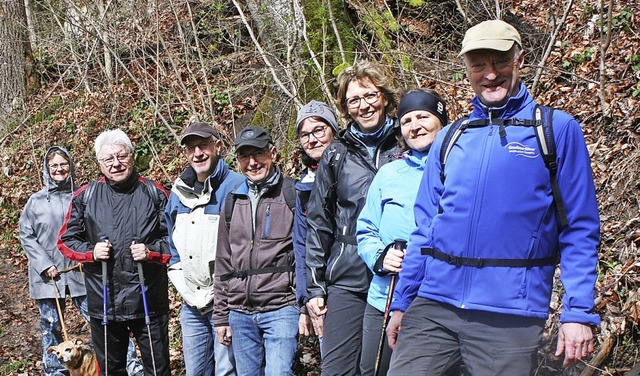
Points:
(76, 357)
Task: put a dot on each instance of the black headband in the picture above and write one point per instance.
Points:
(423, 101)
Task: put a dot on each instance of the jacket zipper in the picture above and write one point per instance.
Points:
(342, 247)
(267, 222)
(477, 207)
(253, 237)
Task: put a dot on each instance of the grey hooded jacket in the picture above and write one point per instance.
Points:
(40, 222)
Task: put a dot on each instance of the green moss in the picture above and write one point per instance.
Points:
(415, 3)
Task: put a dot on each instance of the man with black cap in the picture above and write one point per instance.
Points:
(192, 216)
(477, 278)
(254, 273)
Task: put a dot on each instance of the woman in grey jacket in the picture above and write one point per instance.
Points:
(40, 222)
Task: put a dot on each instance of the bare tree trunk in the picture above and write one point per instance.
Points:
(278, 39)
(16, 60)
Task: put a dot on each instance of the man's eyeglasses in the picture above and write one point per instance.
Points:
(370, 98)
(58, 166)
(190, 149)
(257, 155)
(317, 132)
(109, 161)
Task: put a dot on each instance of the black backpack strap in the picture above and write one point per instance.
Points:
(336, 159)
(88, 192)
(242, 274)
(229, 203)
(154, 192)
(289, 192)
(450, 139)
(547, 144)
(480, 262)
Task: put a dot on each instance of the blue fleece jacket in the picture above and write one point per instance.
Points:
(387, 216)
(496, 202)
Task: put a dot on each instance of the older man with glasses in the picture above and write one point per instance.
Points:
(192, 216)
(115, 224)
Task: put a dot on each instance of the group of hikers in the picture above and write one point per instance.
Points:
(404, 249)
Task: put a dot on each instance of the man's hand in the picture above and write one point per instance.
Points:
(139, 252)
(317, 309)
(305, 327)
(101, 251)
(224, 334)
(575, 341)
(393, 328)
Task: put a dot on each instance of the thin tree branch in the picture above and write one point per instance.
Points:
(552, 42)
(332, 20)
(262, 53)
(605, 42)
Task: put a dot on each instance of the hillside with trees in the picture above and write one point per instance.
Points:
(70, 69)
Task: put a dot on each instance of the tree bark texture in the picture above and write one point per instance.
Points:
(280, 34)
(16, 60)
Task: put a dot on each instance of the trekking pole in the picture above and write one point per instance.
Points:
(56, 293)
(147, 320)
(399, 244)
(105, 312)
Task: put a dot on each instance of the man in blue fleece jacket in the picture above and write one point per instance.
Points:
(476, 282)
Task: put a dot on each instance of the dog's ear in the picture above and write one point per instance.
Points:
(77, 341)
(52, 349)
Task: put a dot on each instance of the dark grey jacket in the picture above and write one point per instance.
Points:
(344, 175)
(39, 225)
(244, 247)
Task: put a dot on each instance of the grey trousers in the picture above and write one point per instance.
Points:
(435, 338)
(342, 332)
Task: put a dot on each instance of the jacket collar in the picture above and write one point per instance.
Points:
(188, 177)
(510, 109)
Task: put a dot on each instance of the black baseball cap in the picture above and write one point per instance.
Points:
(252, 135)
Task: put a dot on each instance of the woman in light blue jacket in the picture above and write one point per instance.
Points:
(388, 215)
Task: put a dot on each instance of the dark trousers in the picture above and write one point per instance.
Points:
(118, 341)
(342, 332)
(371, 337)
(435, 337)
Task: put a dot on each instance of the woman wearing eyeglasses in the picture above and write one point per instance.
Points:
(39, 224)
(388, 215)
(337, 278)
(316, 128)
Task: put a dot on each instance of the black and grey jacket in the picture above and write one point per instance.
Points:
(344, 175)
(121, 214)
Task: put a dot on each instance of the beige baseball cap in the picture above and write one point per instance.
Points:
(491, 35)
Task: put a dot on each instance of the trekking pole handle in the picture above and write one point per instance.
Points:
(399, 244)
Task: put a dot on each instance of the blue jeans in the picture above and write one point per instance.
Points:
(51, 330)
(265, 343)
(203, 354)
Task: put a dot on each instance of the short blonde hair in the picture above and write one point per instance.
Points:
(366, 71)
